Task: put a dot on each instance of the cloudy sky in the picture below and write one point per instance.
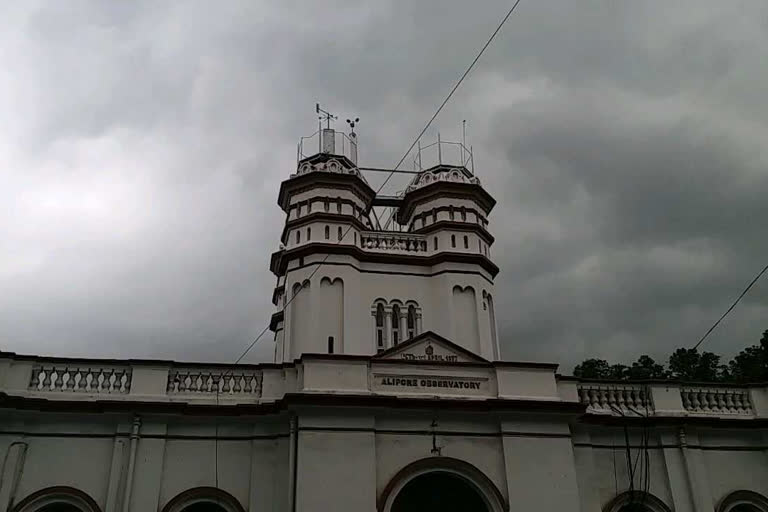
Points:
(143, 143)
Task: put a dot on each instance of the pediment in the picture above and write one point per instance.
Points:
(430, 348)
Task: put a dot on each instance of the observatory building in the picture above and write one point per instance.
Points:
(387, 392)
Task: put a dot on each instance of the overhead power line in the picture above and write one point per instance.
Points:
(450, 94)
(758, 276)
(393, 171)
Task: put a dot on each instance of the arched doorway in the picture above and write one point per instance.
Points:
(441, 484)
(439, 491)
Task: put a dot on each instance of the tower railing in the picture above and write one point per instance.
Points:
(443, 152)
(327, 141)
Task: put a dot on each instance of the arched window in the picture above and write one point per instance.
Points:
(453, 240)
(309, 234)
(435, 244)
(636, 501)
(411, 322)
(327, 232)
(743, 501)
(340, 234)
(423, 220)
(463, 213)
(298, 236)
(326, 205)
(395, 324)
(338, 205)
(434, 215)
(309, 206)
(450, 213)
(379, 327)
(204, 499)
(57, 499)
(466, 242)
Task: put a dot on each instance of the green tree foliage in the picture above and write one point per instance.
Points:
(592, 369)
(643, 368)
(751, 364)
(686, 364)
(646, 368)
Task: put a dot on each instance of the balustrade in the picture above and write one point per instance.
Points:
(227, 382)
(706, 400)
(80, 379)
(393, 242)
(616, 398)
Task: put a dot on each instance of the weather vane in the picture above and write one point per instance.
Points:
(325, 115)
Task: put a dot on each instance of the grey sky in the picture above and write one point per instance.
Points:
(143, 144)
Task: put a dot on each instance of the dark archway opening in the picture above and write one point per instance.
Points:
(60, 507)
(204, 506)
(745, 507)
(439, 491)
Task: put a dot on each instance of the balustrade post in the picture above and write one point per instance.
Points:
(759, 398)
(149, 380)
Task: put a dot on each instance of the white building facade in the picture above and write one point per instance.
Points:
(387, 392)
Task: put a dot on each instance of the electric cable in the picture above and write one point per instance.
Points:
(758, 276)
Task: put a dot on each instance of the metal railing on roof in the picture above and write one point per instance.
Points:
(328, 141)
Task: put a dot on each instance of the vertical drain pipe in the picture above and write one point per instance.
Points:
(131, 463)
(18, 468)
(292, 456)
(686, 466)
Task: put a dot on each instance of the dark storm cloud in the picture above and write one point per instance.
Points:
(144, 144)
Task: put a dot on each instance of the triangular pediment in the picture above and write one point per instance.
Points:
(428, 348)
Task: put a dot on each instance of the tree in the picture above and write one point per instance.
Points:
(618, 372)
(751, 364)
(592, 369)
(690, 365)
(646, 368)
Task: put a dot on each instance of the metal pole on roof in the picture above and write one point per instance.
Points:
(420, 168)
(463, 140)
(439, 151)
(472, 156)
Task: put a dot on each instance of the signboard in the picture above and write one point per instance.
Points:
(431, 384)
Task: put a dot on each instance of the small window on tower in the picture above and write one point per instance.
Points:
(435, 243)
(450, 212)
(395, 325)
(463, 213)
(340, 234)
(466, 242)
(309, 206)
(309, 234)
(453, 240)
(326, 206)
(434, 216)
(330, 344)
(298, 236)
(379, 328)
(338, 206)
(411, 322)
(355, 233)
(479, 245)
(423, 221)
(327, 232)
